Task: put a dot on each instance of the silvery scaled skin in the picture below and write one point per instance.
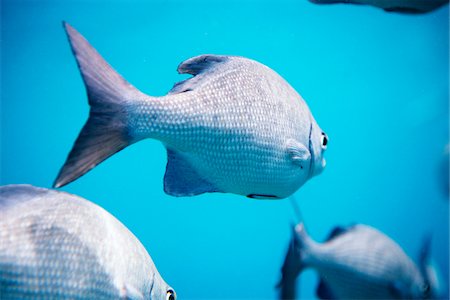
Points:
(235, 127)
(358, 262)
(55, 245)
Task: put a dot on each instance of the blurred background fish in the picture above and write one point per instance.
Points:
(359, 262)
(55, 245)
(401, 6)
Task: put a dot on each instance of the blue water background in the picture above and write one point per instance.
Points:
(376, 82)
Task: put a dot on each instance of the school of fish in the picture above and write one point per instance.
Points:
(235, 126)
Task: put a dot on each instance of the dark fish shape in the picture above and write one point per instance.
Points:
(357, 262)
(54, 245)
(400, 6)
(431, 272)
(235, 127)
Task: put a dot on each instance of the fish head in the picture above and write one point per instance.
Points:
(161, 290)
(318, 143)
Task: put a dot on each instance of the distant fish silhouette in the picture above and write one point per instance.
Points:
(444, 171)
(235, 127)
(401, 6)
(55, 245)
(356, 262)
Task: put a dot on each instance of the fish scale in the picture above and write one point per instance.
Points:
(236, 126)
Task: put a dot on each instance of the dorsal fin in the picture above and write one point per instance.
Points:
(338, 231)
(200, 64)
(196, 65)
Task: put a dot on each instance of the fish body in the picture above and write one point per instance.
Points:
(236, 126)
(54, 245)
(360, 262)
(400, 6)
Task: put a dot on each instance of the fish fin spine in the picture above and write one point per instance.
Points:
(105, 131)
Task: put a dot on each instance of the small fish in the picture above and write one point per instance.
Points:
(357, 262)
(400, 6)
(54, 245)
(235, 127)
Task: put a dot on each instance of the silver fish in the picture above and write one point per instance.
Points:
(400, 6)
(54, 245)
(358, 262)
(235, 127)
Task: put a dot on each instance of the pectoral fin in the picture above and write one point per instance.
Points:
(181, 179)
(298, 153)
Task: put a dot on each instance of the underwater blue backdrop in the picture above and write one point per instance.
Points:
(376, 82)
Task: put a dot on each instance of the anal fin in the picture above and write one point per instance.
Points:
(182, 180)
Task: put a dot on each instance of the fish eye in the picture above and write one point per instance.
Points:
(170, 295)
(324, 141)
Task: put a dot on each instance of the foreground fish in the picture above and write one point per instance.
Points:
(235, 127)
(54, 245)
(357, 262)
(401, 6)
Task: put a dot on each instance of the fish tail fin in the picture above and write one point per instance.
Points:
(294, 263)
(303, 244)
(105, 131)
